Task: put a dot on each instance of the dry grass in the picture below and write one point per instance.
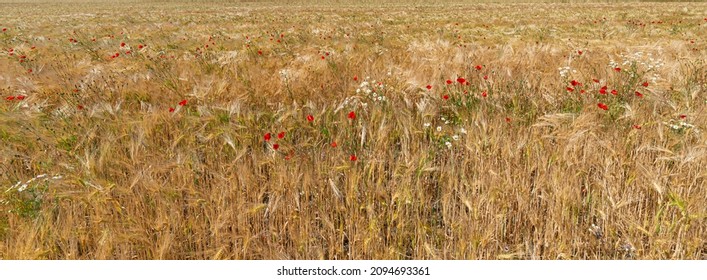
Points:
(541, 172)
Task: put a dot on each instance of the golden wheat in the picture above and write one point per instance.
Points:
(156, 148)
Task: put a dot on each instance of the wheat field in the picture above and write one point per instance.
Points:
(337, 131)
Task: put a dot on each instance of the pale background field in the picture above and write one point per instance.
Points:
(520, 164)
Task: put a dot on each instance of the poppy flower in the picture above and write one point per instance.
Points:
(310, 118)
(80, 107)
(352, 115)
(614, 92)
(595, 80)
(639, 94)
(683, 116)
(4, 29)
(10, 98)
(355, 78)
(617, 69)
(140, 46)
(353, 158)
(267, 136)
(486, 77)
(20, 97)
(602, 90)
(183, 102)
(484, 94)
(636, 126)
(461, 80)
(171, 109)
(645, 84)
(122, 44)
(281, 135)
(429, 87)
(449, 82)
(574, 83)
(260, 52)
(570, 89)
(478, 67)
(603, 106)
(445, 97)
(579, 52)
(508, 120)
(275, 146)
(333, 144)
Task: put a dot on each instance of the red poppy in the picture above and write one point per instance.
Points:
(603, 106)
(260, 52)
(10, 98)
(645, 84)
(310, 118)
(281, 135)
(636, 126)
(139, 46)
(353, 158)
(574, 83)
(484, 94)
(29, 71)
(579, 52)
(429, 87)
(614, 92)
(4, 29)
(171, 109)
(355, 78)
(267, 136)
(445, 97)
(122, 44)
(275, 146)
(449, 82)
(20, 97)
(478, 67)
(617, 69)
(461, 80)
(639, 94)
(333, 144)
(183, 102)
(352, 115)
(683, 116)
(323, 57)
(595, 80)
(508, 120)
(486, 77)
(80, 107)
(602, 90)
(570, 89)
